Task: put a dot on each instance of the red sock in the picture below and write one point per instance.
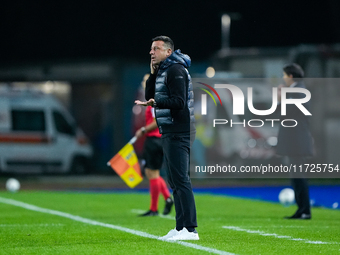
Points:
(163, 188)
(154, 192)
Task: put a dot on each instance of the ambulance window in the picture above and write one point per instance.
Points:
(28, 120)
(62, 125)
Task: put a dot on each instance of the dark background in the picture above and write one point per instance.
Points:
(53, 30)
(101, 49)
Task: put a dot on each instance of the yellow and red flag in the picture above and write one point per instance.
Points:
(125, 164)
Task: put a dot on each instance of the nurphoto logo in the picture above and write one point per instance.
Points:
(239, 102)
(204, 97)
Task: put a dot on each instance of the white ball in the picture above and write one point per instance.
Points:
(287, 197)
(12, 185)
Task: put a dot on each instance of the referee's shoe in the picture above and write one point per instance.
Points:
(168, 205)
(149, 213)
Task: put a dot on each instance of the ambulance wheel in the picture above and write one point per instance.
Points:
(78, 166)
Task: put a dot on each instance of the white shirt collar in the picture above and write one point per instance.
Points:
(293, 85)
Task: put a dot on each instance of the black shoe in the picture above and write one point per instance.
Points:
(168, 205)
(150, 213)
(302, 216)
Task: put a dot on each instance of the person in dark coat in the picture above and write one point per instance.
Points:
(295, 144)
(169, 90)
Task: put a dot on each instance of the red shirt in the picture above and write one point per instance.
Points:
(149, 118)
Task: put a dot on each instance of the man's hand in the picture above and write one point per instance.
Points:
(153, 68)
(150, 102)
(139, 133)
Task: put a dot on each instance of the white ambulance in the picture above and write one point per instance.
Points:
(38, 135)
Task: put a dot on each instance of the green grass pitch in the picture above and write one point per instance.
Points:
(109, 225)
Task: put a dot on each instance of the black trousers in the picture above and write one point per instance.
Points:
(300, 186)
(176, 148)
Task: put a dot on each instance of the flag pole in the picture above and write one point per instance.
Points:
(133, 140)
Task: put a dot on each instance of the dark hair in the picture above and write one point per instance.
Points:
(295, 70)
(168, 43)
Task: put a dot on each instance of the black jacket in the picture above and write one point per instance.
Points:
(172, 90)
(295, 141)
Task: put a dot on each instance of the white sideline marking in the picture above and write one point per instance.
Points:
(139, 211)
(97, 223)
(281, 226)
(261, 233)
(31, 225)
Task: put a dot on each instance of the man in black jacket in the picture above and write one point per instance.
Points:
(169, 90)
(295, 144)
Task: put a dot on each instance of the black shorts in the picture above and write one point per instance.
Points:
(153, 153)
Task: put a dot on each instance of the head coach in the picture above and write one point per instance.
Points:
(169, 90)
